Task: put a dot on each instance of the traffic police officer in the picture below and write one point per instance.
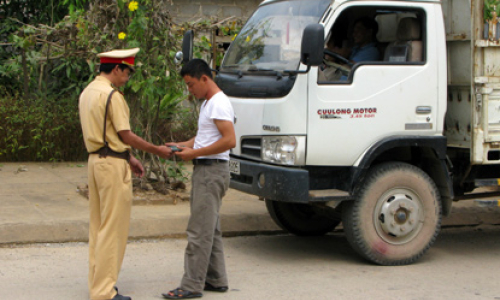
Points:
(104, 116)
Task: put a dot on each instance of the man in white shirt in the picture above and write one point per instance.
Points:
(204, 266)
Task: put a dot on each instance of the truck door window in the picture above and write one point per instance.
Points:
(407, 44)
(364, 35)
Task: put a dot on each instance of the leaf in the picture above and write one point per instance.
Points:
(136, 86)
(121, 4)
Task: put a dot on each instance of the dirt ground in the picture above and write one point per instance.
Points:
(152, 192)
(161, 193)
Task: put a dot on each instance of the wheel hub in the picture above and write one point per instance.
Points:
(399, 215)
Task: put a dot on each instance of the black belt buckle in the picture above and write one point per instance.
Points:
(103, 152)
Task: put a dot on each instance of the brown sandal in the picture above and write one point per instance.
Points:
(179, 293)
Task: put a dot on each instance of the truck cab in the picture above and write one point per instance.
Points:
(310, 121)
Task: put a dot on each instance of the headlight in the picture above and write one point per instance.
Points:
(285, 150)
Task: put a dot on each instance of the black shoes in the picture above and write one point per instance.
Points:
(121, 297)
(208, 287)
(211, 288)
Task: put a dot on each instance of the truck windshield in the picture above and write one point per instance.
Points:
(271, 38)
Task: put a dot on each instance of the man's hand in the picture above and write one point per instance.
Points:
(186, 153)
(183, 152)
(189, 143)
(136, 167)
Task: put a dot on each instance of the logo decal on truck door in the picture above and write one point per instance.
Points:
(352, 113)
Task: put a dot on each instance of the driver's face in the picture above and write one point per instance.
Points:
(361, 34)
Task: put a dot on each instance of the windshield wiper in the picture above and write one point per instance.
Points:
(254, 69)
(232, 66)
(278, 74)
(261, 70)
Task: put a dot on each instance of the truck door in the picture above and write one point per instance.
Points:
(354, 104)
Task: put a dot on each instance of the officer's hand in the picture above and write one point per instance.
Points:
(136, 167)
(164, 152)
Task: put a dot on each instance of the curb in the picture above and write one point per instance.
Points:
(175, 226)
(77, 231)
(472, 216)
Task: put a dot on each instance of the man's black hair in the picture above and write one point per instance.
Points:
(107, 68)
(196, 68)
(369, 23)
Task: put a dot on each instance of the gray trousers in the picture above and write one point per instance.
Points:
(204, 256)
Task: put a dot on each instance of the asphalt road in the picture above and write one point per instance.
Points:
(462, 264)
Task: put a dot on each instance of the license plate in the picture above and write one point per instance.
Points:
(234, 167)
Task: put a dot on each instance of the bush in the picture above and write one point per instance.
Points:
(46, 130)
(44, 68)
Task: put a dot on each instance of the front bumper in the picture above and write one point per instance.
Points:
(279, 183)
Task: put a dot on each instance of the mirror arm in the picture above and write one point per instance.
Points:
(295, 72)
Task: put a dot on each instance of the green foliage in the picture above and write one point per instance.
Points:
(44, 68)
(13, 15)
(33, 11)
(155, 90)
(74, 5)
(491, 9)
(204, 47)
(176, 171)
(41, 131)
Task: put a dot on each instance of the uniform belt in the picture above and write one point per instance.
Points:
(106, 151)
(208, 161)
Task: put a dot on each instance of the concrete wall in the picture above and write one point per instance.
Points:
(193, 10)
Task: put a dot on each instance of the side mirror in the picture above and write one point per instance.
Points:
(187, 48)
(313, 42)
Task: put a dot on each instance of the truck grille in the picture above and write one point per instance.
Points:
(251, 147)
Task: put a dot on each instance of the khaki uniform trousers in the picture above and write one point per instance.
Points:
(110, 203)
(204, 256)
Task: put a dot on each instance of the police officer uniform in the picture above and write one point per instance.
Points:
(103, 113)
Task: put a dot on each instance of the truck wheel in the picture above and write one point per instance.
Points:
(396, 216)
(300, 219)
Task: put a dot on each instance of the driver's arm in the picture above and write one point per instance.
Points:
(344, 51)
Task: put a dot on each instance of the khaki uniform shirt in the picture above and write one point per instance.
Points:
(92, 106)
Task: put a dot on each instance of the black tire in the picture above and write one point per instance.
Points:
(396, 216)
(300, 219)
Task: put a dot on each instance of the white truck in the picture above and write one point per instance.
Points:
(386, 147)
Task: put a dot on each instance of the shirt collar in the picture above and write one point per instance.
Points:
(103, 79)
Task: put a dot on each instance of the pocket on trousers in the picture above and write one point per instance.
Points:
(127, 174)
